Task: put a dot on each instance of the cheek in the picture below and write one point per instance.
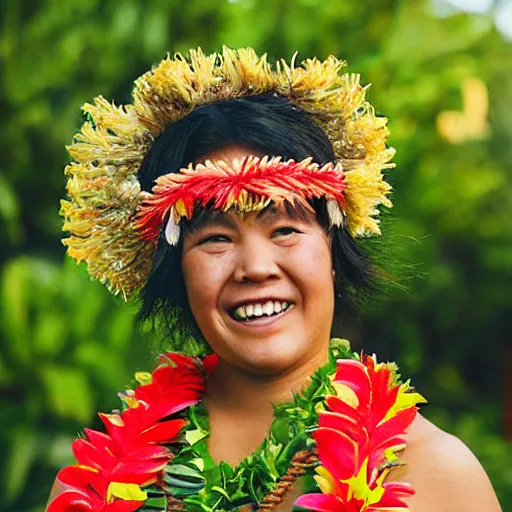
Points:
(314, 275)
(204, 276)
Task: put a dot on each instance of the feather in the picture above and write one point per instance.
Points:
(245, 185)
(335, 214)
(172, 230)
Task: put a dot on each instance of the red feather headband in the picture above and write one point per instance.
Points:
(245, 186)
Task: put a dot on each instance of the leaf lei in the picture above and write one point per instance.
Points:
(354, 412)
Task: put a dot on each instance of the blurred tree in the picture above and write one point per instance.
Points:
(67, 345)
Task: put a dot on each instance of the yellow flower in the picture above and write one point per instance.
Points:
(325, 480)
(122, 491)
(360, 490)
(144, 378)
(404, 400)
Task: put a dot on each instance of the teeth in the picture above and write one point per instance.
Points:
(268, 308)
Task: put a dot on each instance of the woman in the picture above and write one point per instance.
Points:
(231, 198)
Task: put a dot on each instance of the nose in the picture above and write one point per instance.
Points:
(256, 261)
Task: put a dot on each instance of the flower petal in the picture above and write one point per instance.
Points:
(338, 453)
(320, 503)
(74, 501)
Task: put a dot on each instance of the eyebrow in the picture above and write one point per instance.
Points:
(209, 217)
(296, 211)
(268, 215)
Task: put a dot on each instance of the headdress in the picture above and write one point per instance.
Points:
(112, 223)
(247, 185)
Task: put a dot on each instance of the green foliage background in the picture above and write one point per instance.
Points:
(67, 346)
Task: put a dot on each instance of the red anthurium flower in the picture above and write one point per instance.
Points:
(79, 501)
(81, 490)
(210, 363)
(113, 466)
(357, 438)
(322, 503)
(178, 373)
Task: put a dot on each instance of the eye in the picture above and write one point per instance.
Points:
(213, 239)
(285, 230)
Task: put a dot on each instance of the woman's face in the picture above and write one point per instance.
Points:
(260, 286)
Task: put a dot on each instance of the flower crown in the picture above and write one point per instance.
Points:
(112, 222)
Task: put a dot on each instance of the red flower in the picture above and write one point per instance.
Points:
(113, 466)
(358, 437)
(78, 493)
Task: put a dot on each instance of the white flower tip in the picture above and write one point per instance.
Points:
(172, 230)
(335, 214)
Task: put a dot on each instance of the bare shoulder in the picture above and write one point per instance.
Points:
(446, 475)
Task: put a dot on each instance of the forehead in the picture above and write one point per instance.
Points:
(229, 153)
(271, 213)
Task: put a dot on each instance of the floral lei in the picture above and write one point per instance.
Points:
(342, 433)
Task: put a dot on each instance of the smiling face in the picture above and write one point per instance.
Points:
(260, 286)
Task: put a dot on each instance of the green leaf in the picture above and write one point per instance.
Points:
(181, 489)
(281, 430)
(183, 472)
(15, 311)
(193, 436)
(299, 442)
(121, 327)
(68, 392)
(9, 209)
(49, 333)
(221, 491)
(227, 470)
(21, 453)
(103, 367)
(159, 503)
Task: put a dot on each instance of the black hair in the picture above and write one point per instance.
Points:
(268, 124)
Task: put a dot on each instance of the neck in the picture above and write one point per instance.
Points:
(236, 390)
(240, 405)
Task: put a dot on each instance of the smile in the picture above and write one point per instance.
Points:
(253, 311)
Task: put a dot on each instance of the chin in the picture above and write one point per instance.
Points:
(275, 358)
(268, 349)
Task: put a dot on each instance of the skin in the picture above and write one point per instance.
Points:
(238, 259)
(250, 259)
(446, 475)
